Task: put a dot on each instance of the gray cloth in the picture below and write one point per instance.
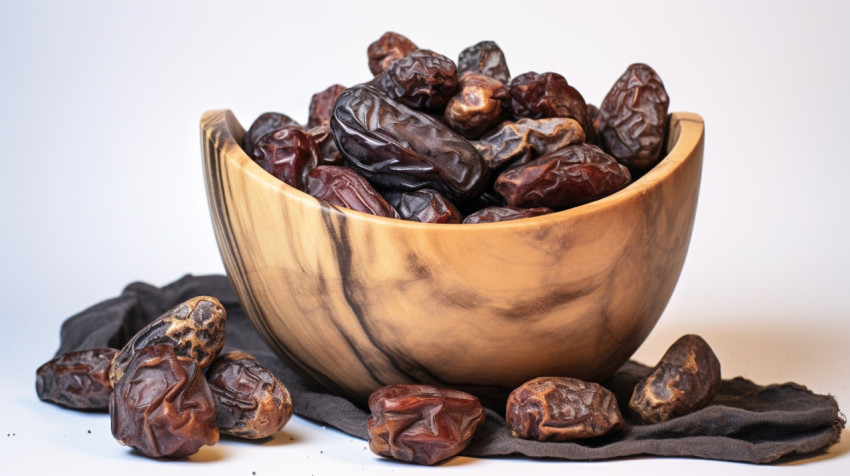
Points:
(744, 422)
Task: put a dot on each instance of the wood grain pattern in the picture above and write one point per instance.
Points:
(354, 301)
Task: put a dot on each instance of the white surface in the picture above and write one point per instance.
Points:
(101, 183)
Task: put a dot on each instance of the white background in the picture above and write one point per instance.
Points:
(101, 182)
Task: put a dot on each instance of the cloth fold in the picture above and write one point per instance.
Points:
(745, 421)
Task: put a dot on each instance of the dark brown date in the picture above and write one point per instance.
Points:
(594, 125)
(486, 58)
(424, 205)
(422, 424)
(289, 153)
(686, 378)
(265, 124)
(537, 96)
(562, 409)
(344, 187)
(322, 105)
(399, 148)
(250, 401)
(386, 49)
(328, 153)
(195, 328)
(77, 379)
(164, 407)
(488, 198)
(515, 143)
(494, 214)
(567, 177)
(477, 105)
(421, 80)
(634, 118)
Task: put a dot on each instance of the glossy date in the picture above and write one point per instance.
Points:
(321, 106)
(77, 379)
(266, 123)
(477, 105)
(487, 58)
(515, 143)
(421, 80)
(344, 187)
(289, 154)
(386, 49)
(424, 205)
(496, 214)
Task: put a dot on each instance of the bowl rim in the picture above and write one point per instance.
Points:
(685, 134)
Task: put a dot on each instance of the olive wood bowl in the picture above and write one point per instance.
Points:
(354, 302)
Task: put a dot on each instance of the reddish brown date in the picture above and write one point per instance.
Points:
(77, 379)
(537, 96)
(328, 153)
(267, 122)
(422, 424)
(515, 143)
(567, 177)
(495, 214)
(633, 118)
(477, 105)
(686, 378)
(562, 409)
(486, 58)
(594, 125)
(250, 401)
(424, 205)
(386, 49)
(421, 80)
(289, 153)
(344, 187)
(163, 407)
(322, 105)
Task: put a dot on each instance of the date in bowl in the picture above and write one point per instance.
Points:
(353, 302)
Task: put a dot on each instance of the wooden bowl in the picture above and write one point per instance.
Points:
(355, 302)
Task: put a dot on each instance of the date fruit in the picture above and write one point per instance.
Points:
(537, 96)
(250, 401)
(494, 214)
(289, 153)
(420, 423)
(321, 106)
(421, 80)
(77, 379)
(195, 328)
(163, 407)
(486, 58)
(399, 148)
(567, 177)
(477, 105)
(633, 118)
(328, 153)
(424, 205)
(265, 124)
(515, 143)
(344, 187)
(686, 378)
(386, 49)
(562, 409)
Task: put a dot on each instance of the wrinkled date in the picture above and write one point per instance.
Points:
(537, 96)
(195, 328)
(686, 378)
(562, 409)
(289, 154)
(250, 401)
(399, 148)
(567, 177)
(421, 423)
(515, 143)
(328, 153)
(265, 124)
(421, 80)
(424, 205)
(386, 49)
(344, 187)
(486, 58)
(163, 406)
(477, 105)
(495, 214)
(633, 118)
(321, 106)
(77, 379)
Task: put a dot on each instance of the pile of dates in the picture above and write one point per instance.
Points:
(169, 390)
(431, 140)
(425, 424)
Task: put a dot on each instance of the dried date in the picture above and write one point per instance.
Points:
(477, 105)
(195, 328)
(495, 214)
(686, 378)
(633, 118)
(322, 105)
(421, 80)
(386, 49)
(424, 205)
(328, 153)
(77, 379)
(265, 124)
(486, 58)
(594, 125)
(289, 153)
(344, 187)
(570, 176)
(515, 143)
(250, 401)
(399, 148)
(537, 96)
(562, 409)
(164, 407)
(421, 423)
